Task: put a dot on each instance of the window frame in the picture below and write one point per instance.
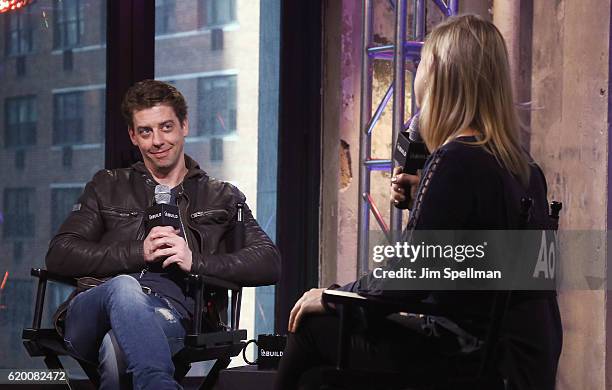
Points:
(18, 195)
(10, 129)
(60, 134)
(60, 32)
(169, 11)
(130, 58)
(205, 12)
(24, 27)
(206, 100)
(58, 216)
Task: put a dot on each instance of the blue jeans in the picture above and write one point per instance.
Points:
(117, 319)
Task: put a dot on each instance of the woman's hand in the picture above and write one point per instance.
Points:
(309, 303)
(402, 185)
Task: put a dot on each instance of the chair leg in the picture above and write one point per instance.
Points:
(213, 375)
(181, 370)
(52, 362)
(91, 371)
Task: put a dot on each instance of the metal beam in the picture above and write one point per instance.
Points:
(364, 138)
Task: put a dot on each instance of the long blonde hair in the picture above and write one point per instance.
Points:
(468, 86)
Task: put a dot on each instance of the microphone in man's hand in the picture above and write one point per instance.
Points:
(162, 213)
(410, 153)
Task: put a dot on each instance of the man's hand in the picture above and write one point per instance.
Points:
(400, 184)
(309, 303)
(163, 241)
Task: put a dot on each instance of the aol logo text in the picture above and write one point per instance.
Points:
(546, 257)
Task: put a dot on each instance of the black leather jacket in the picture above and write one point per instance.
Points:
(103, 235)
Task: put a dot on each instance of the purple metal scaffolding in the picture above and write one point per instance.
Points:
(407, 51)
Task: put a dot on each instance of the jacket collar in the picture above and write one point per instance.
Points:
(193, 169)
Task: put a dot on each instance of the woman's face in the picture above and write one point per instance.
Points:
(420, 80)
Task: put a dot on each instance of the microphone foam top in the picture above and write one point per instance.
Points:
(162, 194)
(413, 129)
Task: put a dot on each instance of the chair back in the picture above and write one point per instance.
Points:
(198, 283)
(502, 298)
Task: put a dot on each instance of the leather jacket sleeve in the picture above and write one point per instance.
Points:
(76, 250)
(257, 264)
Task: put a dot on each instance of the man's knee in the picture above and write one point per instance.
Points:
(124, 281)
(124, 284)
(124, 288)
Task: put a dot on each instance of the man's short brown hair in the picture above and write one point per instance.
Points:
(149, 93)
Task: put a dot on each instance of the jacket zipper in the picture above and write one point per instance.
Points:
(146, 268)
(181, 217)
(198, 214)
(120, 212)
(182, 225)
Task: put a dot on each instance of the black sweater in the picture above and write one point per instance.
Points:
(468, 189)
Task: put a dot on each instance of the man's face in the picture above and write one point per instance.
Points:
(160, 137)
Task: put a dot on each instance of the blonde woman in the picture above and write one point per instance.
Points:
(474, 179)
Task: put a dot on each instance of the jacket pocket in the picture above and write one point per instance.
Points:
(210, 226)
(114, 217)
(210, 217)
(120, 212)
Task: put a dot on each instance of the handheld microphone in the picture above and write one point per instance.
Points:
(162, 213)
(410, 152)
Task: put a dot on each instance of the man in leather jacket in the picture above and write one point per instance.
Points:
(140, 306)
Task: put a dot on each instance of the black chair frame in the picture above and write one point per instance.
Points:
(485, 377)
(200, 345)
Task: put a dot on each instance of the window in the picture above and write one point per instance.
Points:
(36, 110)
(68, 118)
(69, 23)
(217, 12)
(216, 82)
(62, 201)
(217, 105)
(164, 16)
(18, 213)
(18, 34)
(20, 121)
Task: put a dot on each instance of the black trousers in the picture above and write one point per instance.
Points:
(383, 345)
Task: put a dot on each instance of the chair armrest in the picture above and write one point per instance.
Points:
(385, 306)
(377, 304)
(44, 274)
